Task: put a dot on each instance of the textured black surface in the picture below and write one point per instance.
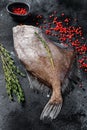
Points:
(14, 116)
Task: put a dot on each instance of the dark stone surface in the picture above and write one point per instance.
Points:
(14, 116)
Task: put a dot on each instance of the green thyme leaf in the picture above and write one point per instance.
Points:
(10, 70)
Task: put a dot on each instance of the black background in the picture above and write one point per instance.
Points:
(14, 116)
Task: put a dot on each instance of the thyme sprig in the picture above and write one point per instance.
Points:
(47, 49)
(10, 70)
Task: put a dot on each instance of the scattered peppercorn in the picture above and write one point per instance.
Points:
(67, 34)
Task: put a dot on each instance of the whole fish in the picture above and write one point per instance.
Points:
(48, 61)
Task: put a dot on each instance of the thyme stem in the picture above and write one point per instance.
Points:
(47, 49)
(10, 70)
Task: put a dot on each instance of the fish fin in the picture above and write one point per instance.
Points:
(29, 79)
(65, 85)
(73, 77)
(36, 85)
(50, 111)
